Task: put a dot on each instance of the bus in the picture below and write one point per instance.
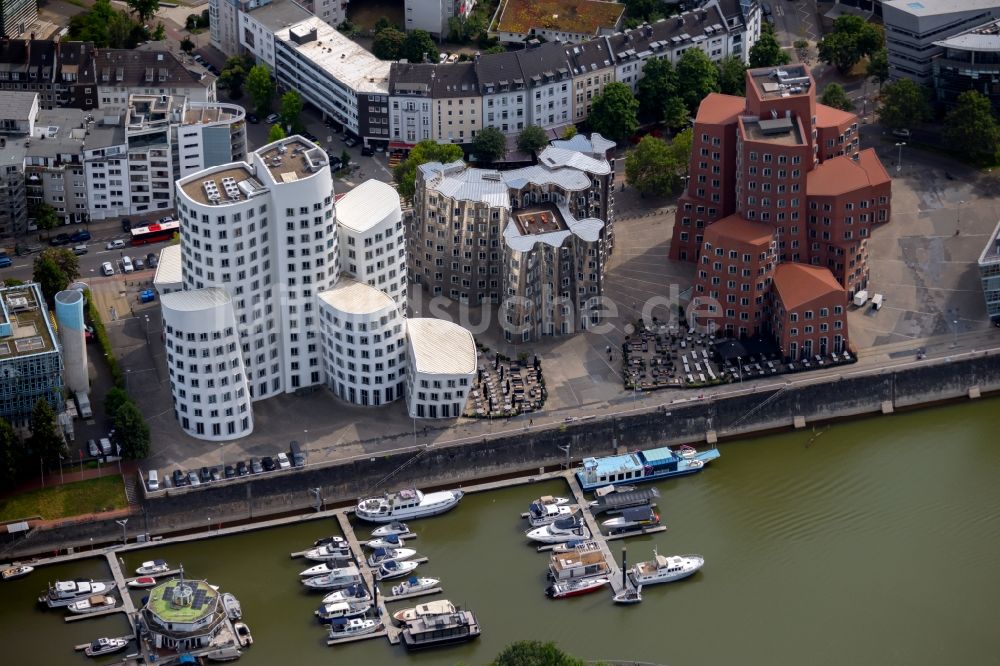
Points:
(154, 233)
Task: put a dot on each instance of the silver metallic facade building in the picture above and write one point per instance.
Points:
(989, 274)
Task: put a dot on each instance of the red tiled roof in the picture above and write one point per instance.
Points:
(736, 228)
(719, 109)
(798, 284)
(827, 116)
(843, 174)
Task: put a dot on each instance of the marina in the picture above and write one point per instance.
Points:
(775, 520)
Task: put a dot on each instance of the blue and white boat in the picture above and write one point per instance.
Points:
(642, 466)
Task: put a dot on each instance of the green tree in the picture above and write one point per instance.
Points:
(903, 104)
(160, 33)
(345, 158)
(650, 167)
(114, 400)
(53, 270)
(697, 76)
(878, 66)
(639, 11)
(614, 113)
(532, 139)
(405, 173)
(276, 133)
(260, 85)
(131, 431)
(767, 52)
(232, 76)
(971, 128)
(732, 76)
(417, 46)
(46, 441)
(144, 9)
(11, 457)
(569, 132)
(381, 24)
(835, 96)
(187, 45)
(658, 84)
(388, 44)
(107, 27)
(680, 148)
(191, 23)
(535, 653)
(489, 145)
(44, 216)
(851, 39)
(496, 48)
(291, 108)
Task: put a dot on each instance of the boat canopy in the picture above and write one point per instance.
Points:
(659, 456)
(637, 513)
(412, 580)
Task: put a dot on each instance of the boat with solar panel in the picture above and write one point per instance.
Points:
(643, 466)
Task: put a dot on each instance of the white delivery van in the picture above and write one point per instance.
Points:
(83, 404)
(860, 298)
(877, 302)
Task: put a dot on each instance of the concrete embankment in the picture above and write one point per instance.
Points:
(798, 402)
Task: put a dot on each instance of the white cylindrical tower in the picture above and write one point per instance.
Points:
(69, 317)
(207, 376)
(371, 238)
(363, 343)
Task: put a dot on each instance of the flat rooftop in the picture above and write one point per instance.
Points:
(782, 131)
(25, 328)
(582, 17)
(227, 184)
(781, 82)
(539, 220)
(163, 603)
(347, 62)
(292, 159)
(352, 297)
(194, 115)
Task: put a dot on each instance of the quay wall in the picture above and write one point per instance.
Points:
(799, 401)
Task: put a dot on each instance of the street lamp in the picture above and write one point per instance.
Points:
(958, 218)
(147, 330)
(899, 160)
(123, 522)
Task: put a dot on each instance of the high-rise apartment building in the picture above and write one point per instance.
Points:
(30, 356)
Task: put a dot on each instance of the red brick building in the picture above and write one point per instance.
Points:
(808, 311)
(777, 179)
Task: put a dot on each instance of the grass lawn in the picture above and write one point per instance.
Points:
(91, 496)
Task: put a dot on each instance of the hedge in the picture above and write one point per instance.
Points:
(102, 338)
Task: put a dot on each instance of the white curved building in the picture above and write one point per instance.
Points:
(207, 375)
(371, 235)
(441, 367)
(265, 231)
(363, 343)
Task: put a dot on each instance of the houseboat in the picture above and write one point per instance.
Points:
(643, 466)
(437, 630)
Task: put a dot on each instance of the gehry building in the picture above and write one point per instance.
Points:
(283, 290)
(777, 213)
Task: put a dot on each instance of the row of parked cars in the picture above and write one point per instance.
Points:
(80, 236)
(131, 264)
(256, 465)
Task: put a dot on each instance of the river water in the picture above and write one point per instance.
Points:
(872, 542)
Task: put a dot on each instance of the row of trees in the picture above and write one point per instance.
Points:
(657, 167)
(131, 430)
(46, 445)
(114, 28)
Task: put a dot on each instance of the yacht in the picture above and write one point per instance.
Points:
(560, 531)
(381, 555)
(103, 646)
(327, 613)
(243, 634)
(662, 569)
(355, 592)
(142, 582)
(346, 628)
(232, 605)
(630, 595)
(65, 592)
(10, 573)
(406, 504)
(224, 653)
(412, 585)
(152, 567)
(574, 587)
(92, 604)
(436, 607)
(337, 541)
(336, 579)
(574, 546)
(395, 527)
(318, 570)
(638, 517)
(387, 541)
(329, 553)
(549, 513)
(394, 569)
(436, 630)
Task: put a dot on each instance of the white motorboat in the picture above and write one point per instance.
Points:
(65, 592)
(243, 634)
(381, 555)
(540, 506)
(574, 587)
(93, 604)
(142, 582)
(636, 517)
(356, 592)
(406, 504)
(337, 578)
(629, 595)
(560, 531)
(329, 553)
(224, 653)
(103, 646)
(576, 545)
(412, 585)
(550, 513)
(394, 569)
(11, 573)
(436, 607)
(665, 569)
(338, 541)
(152, 567)
(395, 527)
(342, 609)
(387, 541)
(346, 628)
(232, 605)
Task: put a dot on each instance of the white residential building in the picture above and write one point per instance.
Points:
(169, 277)
(122, 73)
(441, 368)
(372, 242)
(504, 92)
(224, 25)
(433, 15)
(364, 346)
(207, 376)
(259, 21)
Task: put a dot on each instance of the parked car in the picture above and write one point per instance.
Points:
(127, 266)
(147, 295)
(252, 119)
(165, 219)
(126, 225)
(255, 466)
(193, 479)
(335, 164)
(901, 133)
(205, 475)
(241, 469)
(350, 142)
(61, 239)
(115, 245)
(214, 473)
(80, 236)
(179, 479)
(367, 151)
(229, 472)
(137, 264)
(268, 464)
(5, 260)
(283, 462)
(453, 57)
(107, 268)
(298, 456)
(79, 249)
(92, 449)
(105, 446)
(272, 118)
(151, 260)
(154, 480)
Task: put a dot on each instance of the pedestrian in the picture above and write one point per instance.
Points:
(531, 422)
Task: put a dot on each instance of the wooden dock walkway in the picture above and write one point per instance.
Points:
(390, 631)
(614, 571)
(126, 605)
